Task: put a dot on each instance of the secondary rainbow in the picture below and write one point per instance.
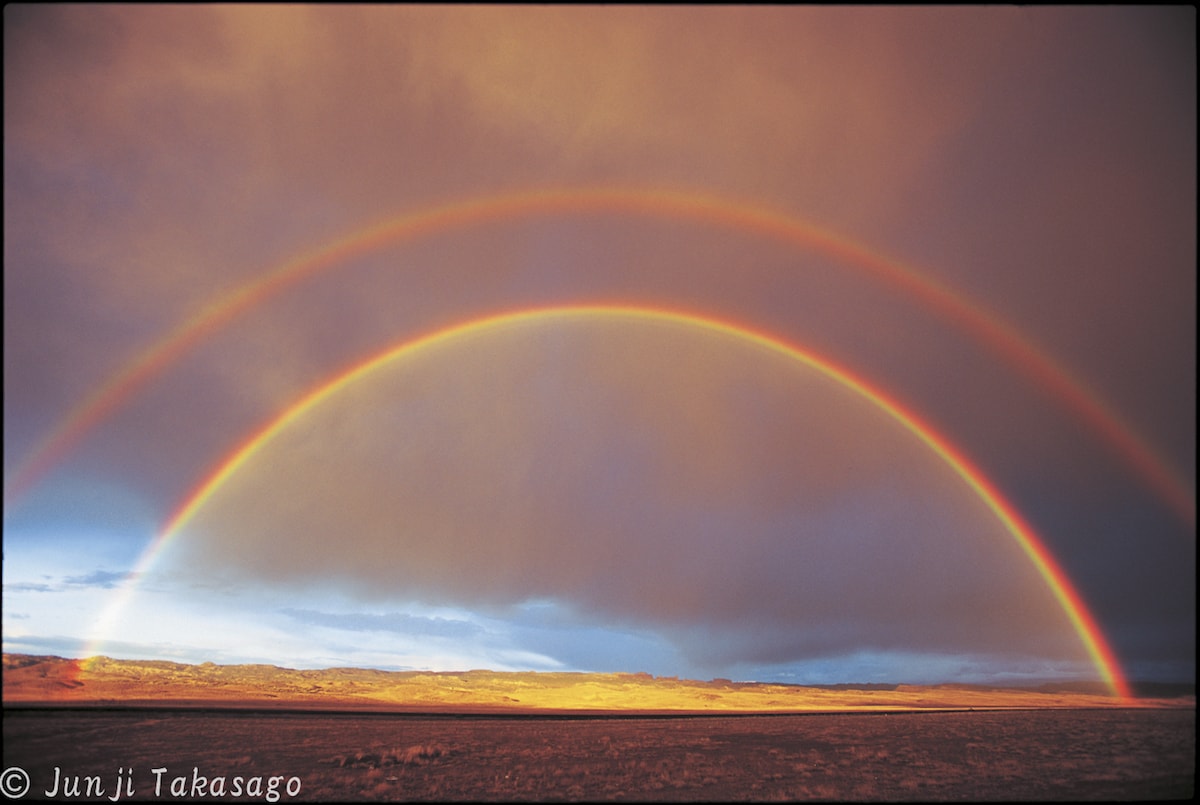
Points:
(741, 216)
(1068, 598)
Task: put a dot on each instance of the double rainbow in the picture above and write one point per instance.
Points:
(740, 216)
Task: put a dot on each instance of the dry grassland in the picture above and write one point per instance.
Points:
(1109, 754)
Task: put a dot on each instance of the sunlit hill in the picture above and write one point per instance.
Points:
(103, 681)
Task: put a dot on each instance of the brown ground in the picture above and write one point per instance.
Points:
(1110, 754)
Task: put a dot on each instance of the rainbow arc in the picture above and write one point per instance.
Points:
(1033, 547)
(648, 202)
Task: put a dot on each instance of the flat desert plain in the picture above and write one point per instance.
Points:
(116, 730)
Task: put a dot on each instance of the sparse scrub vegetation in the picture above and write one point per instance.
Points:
(406, 756)
(1094, 754)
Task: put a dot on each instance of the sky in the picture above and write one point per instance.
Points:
(766, 343)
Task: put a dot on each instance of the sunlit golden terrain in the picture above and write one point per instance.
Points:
(106, 681)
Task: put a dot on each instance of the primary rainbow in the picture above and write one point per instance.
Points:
(1073, 606)
(740, 216)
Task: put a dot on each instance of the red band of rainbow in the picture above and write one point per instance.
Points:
(1068, 598)
(740, 216)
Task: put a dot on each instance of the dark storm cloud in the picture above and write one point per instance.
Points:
(637, 474)
(1040, 161)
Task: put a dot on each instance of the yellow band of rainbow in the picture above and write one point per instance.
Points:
(1068, 598)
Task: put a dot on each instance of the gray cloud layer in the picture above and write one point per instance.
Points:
(1039, 161)
(637, 473)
